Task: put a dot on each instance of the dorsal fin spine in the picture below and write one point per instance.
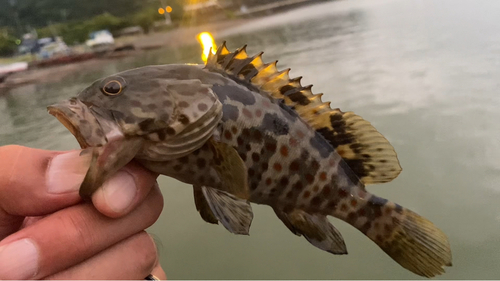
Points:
(363, 148)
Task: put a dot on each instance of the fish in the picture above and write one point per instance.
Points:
(240, 131)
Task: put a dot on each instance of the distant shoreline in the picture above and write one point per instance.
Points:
(174, 38)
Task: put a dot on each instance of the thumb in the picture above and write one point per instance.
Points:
(35, 182)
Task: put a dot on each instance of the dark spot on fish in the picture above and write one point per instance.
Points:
(147, 124)
(380, 149)
(316, 201)
(228, 135)
(249, 71)
(306, 194)
(275, 124)
(177, 168)
(309, 178)
(248, 147)
(352, 217)
(243, 156)
(354, 203)
(343, 207)
(99, 132)
(362, 212)
(257, 135)
(135, 103)
(388, 228)
(366, 155)
(240, 141)
(299, 98)
(230, 112)
(170, 131)
(152, 106)
(255, 157)
(251, 172)
(298, 186)
(202, 107)
(342, 193)
(234, 130)
(271, 147)
(265, 166)
(326, 190)
(322, 176)
(245, 132)
(269, 181)
(247, 113)
(332, 204)
(284, 150)
(184, 160)
(382, 161)
(289, 195)
(277, 167)
(201, 163)
(234, 93)
(167, 103)
(161, 134)
(286, 88)
(272, 192)
(295, 166)
(284, 182)
(183, 119)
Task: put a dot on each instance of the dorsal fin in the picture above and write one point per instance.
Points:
(367, 152)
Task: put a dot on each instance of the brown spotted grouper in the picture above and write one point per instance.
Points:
(241, 131)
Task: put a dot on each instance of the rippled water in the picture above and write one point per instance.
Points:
(426, 73)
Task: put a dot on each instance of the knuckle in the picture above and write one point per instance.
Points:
(77, 228)
(146, 254)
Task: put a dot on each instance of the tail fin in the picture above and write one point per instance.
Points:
(411, 240)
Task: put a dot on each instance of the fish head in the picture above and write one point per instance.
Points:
(133, 114)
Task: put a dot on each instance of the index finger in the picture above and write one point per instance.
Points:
(35, 182)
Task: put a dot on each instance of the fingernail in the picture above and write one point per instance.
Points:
(18, 260)
(66, 172)
(120, 191)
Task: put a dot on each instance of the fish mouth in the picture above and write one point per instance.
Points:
(78, 119)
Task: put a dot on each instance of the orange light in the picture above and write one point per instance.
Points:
(161, 11)
(168, 9)
(207, 43)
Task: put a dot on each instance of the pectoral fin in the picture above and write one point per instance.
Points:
(231, 169)
(106, 161)
(234, 213)
(315, 228)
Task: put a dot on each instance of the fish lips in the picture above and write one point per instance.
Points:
(81, 121)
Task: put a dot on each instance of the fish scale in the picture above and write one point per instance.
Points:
(240, 131)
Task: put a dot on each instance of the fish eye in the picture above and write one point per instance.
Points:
(112, 88)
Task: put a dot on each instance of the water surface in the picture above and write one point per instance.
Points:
(426, 73)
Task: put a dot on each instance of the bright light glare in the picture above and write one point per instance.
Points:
(161, 11)
(168, 9)
(207, 42)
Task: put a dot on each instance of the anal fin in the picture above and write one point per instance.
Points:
(234, 213)
(315, 228)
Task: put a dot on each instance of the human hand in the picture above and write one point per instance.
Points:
(46, 233)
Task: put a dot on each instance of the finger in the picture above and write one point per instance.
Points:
(69, 237)
(131, 259)
(124, 191)
(37, 182)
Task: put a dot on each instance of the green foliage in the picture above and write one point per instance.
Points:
(8, 45)
(146, 18)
